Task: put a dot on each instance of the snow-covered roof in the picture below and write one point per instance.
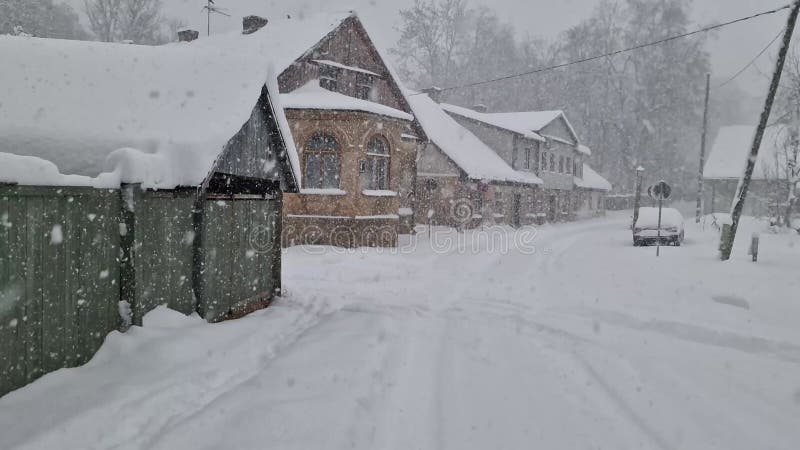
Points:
(326, 62)
(474, 157)
(527, 123)
(312, 96)
(532, 120)
(156, 115)
(592, 180)
(509, 125)
(729, 154)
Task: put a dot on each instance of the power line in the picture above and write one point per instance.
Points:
(752, 61)
(617, 52)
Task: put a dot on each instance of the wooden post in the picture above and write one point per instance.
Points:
(127, 260)
(198, 253)
(744, 183)
(703, 136)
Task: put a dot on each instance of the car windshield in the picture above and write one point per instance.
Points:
(406, 224)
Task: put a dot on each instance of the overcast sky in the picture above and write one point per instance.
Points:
(732, 48)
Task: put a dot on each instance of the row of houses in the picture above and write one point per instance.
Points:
(133, 176)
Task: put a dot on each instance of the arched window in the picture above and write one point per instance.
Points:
(321, 159)
(376, 170)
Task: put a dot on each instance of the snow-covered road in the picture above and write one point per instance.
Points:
(586, 343)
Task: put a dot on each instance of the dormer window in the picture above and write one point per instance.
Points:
(364, 85)
(329, 77)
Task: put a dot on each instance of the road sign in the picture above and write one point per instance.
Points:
(659, 191)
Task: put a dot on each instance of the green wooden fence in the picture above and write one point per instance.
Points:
(64, 268)
(242, 255)
(59, 278)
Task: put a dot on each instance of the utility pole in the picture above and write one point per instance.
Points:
(726, 245)
(699, 211)
(791, 163)
(637, 200)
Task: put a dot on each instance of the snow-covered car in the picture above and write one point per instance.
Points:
(645, 230)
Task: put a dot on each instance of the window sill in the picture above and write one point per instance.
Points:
(378, 193)
(315, 191)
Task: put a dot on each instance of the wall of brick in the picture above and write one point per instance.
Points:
(353, 131)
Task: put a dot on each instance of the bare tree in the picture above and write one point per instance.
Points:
(139, 21)
(431, 33)
(103, 18)
(41, 18)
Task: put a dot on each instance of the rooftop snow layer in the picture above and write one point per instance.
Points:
(592, 180)
(510, 125)
(345, 67)
(474, 157)
(526, 123)
(530, 120)
(731, 148)
(172, 108)
(312, 96)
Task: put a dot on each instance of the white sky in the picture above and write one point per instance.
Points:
(731, 49)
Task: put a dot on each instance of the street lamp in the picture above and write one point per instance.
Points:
(638, 199)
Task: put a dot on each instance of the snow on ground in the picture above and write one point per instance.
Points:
(588, 342)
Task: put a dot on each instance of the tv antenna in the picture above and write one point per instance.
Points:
(210, 8)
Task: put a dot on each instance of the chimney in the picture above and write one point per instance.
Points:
(187, 35)
(251, 24)
(480, 107)
(434, 92)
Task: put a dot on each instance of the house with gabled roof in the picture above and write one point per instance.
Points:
(461, 182)
(545, 142)
(769, 188)
(356, 137)
(132, 177)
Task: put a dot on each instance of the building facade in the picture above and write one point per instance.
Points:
(461, 182)
(546, 144)
(357, 142)
(769, 189)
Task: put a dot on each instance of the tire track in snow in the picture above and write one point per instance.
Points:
(560, 244)
(305, 324)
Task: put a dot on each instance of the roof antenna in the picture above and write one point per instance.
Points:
(211, 7)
